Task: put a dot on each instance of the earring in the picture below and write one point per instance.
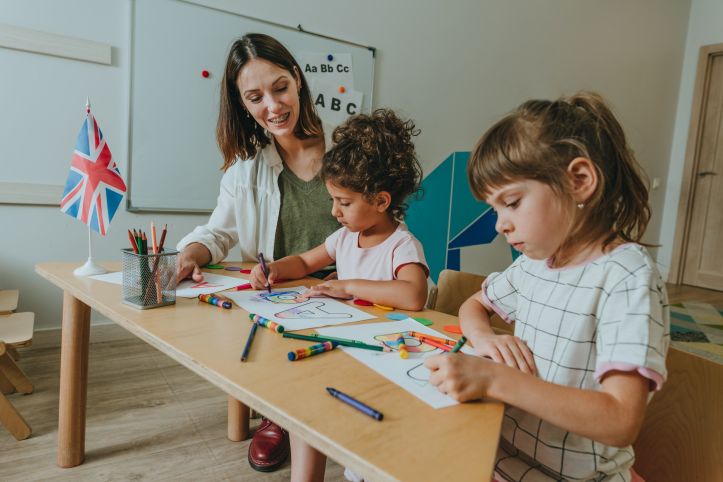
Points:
(580, 205)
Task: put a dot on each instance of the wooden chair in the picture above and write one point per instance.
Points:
(8, 301)
(12, 379)
(682, 435)
(16, 330)
(454, 288)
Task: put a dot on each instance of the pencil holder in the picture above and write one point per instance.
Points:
(149, 280)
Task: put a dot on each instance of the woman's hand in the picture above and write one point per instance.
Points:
(332, 289)
(462, 377)
(507, 349)
(258, 279)
(190, 260)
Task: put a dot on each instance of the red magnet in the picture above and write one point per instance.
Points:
(205, 74)
(342, 89)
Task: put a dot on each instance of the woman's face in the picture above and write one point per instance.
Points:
(271, 95)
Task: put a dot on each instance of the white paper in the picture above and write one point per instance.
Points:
(115, 277)
(211, 284)
(337, 71)
(410, 373)
(333, 106)
(284, 306)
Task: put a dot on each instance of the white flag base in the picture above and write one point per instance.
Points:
(89, 269)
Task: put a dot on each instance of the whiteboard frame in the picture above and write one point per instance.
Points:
(146, 209)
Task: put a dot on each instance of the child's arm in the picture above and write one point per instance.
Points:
(407, 292)
(612, 416)
(291, 267)
(474, 319)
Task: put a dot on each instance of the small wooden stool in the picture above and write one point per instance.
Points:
(8, 301)
(13, 376)
(16, 330)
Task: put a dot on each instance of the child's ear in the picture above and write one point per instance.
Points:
(584, 178)
(382, 201)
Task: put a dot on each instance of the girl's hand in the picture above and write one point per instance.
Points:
(507, 349)
(187, 262)
(462, 377)
(332, 289)
(259, 281)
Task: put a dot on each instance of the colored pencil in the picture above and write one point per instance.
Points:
(133, 242)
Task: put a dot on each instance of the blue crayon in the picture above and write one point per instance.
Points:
(375, 414)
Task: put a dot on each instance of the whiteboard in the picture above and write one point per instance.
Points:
(174, 162)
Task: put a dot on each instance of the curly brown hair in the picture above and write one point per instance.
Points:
(540, 138)
(375, 153)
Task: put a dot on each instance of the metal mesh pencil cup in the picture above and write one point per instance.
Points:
(149, 280)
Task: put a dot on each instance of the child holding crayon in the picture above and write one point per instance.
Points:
(369, 173)
(589, 306)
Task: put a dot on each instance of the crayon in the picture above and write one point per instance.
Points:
(403, 352)
(266, 323)
(213, 300)
(245, 353)
(435, 344)
(459, 344)
(312, 350)
(366, 409)
(245, 286)
(265, 270)
(339, 341)
(423, 337)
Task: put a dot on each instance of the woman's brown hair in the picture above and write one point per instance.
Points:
(237, 133)
(539, 139)
(375, 153)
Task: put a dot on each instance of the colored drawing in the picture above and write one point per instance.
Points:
(211, 284)
(313, 309)
(287, 297)
(408, 373)
(295, 311)
(413, 345)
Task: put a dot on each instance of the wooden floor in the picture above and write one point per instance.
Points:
(149, 418)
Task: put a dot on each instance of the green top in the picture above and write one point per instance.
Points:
(305, 218)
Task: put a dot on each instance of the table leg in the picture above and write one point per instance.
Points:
(73, 381)
(238, 420)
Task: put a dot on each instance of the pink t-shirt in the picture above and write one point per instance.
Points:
(378, 263)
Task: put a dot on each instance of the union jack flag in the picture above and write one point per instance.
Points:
(94, 188)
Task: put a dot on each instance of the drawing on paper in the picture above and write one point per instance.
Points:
(313, 309)
(286, 297)
(413, 345)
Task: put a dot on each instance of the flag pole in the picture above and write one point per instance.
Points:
(90, 268)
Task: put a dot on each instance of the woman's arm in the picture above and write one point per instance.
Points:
(291, 267)
(612, 416)
(407, 292)
(190, 260)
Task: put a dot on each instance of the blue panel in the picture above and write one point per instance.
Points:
(482, 231)
(94, 221)
(73, 208)
(515, 254)
(428, 218)
(453, 259)
(465, 208)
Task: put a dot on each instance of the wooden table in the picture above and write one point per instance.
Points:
(414, 442)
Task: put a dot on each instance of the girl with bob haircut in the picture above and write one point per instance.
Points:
(590, 311)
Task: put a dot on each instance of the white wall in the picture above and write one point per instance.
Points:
(454, 67)
(704, 28)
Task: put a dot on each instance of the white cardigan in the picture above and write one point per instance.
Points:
(247, 209)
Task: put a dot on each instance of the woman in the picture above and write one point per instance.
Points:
(271, 200)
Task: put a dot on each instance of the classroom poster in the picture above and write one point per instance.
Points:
(410, 373)
(287, 307)
(333, 68)
(333, 105)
